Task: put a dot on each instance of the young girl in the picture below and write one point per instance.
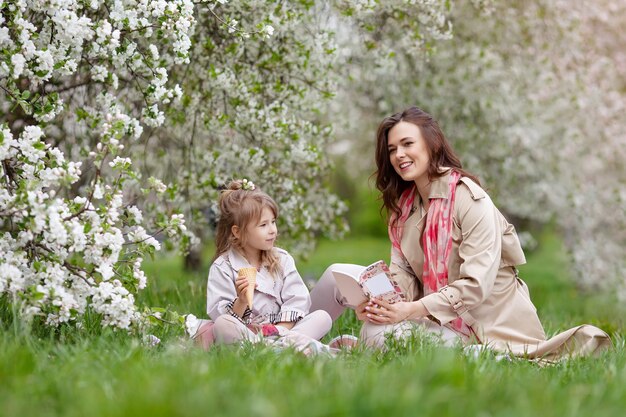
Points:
(245, 237)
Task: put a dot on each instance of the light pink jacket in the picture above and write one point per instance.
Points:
(276, 299)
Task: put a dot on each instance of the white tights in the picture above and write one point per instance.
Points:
(228, 329)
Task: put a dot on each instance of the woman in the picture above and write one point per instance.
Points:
(453, 254)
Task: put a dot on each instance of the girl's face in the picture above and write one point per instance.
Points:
(408, 152)
(261, 234)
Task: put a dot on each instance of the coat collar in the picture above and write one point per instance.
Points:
(439, 186)
(265, 282)
(438, 189)
(237, 260)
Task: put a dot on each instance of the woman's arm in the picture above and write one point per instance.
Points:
(381, 312)
(402, 273)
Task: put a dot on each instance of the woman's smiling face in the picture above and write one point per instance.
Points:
(408, 152)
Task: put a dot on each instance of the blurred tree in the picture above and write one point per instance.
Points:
(532, 95)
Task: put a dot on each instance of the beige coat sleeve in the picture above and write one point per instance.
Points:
(479, 250)
(296, 300)
(220, 288)
(404, 276)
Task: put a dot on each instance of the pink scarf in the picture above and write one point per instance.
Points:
(437, 241)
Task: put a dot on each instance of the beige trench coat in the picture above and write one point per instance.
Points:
(483, 286)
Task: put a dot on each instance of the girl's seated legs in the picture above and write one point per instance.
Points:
(227, 330)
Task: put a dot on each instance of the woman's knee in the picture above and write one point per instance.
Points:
(327, 278)
(325, 296)
(322, 320)
(373, 335)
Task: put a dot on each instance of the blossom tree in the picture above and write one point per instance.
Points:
(256, 105)
(121, 115)
(531, 95)
(253, 105)
(72, 239)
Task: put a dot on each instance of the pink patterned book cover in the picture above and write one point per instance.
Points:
(376, 281)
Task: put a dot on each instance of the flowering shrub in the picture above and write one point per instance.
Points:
(71, 236)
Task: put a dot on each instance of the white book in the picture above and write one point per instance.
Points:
(357, 284)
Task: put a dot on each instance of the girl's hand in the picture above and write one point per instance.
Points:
(241, 285)
(286, 324)
(382, 312)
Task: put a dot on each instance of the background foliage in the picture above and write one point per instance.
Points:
(121, 119)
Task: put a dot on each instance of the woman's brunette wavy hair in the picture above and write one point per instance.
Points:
(440, 154)
(241, 207)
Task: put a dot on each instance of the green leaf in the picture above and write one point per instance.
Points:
(81, 113)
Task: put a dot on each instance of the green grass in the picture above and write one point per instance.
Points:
(113, 374)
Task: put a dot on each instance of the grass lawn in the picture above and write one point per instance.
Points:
(114, 374)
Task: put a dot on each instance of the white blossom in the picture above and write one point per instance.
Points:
(191, 324)
(10, 278)
(120, 163)
(157, 185)
(18, 62)
(99, 73)
(135, 214)
(139, 235)
(268, 31)
(151, 340)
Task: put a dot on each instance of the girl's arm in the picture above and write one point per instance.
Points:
(223, 292)
(294, 294)
(240, 305)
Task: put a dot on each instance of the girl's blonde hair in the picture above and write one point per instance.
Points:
(241, 204)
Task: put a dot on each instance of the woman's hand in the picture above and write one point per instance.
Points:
(361, 312)
(381, 312)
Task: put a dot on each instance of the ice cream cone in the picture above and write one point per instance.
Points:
(250, 274)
